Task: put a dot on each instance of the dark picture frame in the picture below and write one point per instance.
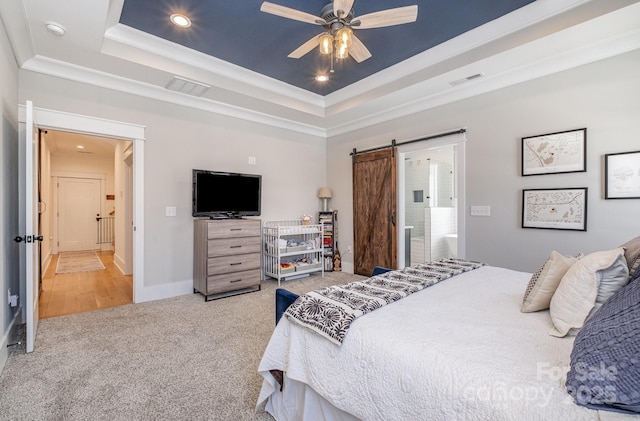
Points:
(622, 175)
(554, 153)
(559, 208)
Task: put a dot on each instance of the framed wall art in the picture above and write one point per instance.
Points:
(554, 153)
(622, 175)
(561, 209)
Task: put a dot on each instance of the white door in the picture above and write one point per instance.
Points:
(78, 207)
(31, 239)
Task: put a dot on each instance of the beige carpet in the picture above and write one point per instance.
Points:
(80, 261)
(176, 359)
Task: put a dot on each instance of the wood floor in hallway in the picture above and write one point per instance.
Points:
(68, 293)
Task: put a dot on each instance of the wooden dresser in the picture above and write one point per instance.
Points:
(226, 257)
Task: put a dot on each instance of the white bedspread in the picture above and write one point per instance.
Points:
(460, 349)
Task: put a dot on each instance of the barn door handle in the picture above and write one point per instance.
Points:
(19, 239)
(393, 218)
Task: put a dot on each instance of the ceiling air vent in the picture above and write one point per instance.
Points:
(186, 86)
(467, 79)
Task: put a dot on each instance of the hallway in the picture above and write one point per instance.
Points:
(69, 293)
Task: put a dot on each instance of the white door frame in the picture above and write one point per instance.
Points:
(58, 120)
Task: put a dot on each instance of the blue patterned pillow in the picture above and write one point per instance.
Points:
(605, 360)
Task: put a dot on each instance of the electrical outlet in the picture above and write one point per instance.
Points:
(348, 249)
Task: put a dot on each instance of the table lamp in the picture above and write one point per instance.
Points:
(324, 193)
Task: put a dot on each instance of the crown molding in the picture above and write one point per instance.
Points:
(596, 39)
(81, 74)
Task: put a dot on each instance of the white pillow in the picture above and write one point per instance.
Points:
(544, 281)
(586, 285)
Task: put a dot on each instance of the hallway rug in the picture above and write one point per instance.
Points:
(80, 261)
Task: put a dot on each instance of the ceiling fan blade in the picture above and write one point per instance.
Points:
(305, 48)
(387, 17)
(341, 8)
(358, 51)
(287, 12)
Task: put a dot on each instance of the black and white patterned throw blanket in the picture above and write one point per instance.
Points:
(330, 311)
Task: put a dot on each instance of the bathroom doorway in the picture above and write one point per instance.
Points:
(430, 182)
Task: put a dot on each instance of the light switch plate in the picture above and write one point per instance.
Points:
(170, 211)
(480, 210)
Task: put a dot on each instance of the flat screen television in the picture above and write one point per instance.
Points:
(225, 195)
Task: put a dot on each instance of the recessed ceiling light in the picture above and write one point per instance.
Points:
(55, 28)
(322, 78)
(180, 20)
(80, 147)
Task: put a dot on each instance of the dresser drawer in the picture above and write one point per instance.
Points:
(232, 281)
(234, 263)
(231, 246)
(234, 228)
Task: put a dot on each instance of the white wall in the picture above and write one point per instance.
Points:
(601, 96)
(180, 139)
(86, 164)
(9, 257)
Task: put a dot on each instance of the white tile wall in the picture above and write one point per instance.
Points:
(430, 223)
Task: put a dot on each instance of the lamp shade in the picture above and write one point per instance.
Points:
(324, 193)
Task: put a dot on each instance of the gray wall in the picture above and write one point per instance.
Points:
(9, 269)
(180, 139)
(602, 96)
(294, 165)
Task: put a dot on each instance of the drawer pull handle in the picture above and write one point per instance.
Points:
(235, 247)
(236, 229)
(235, 264)
(237, 280)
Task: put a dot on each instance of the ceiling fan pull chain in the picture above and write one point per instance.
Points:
(331, 70)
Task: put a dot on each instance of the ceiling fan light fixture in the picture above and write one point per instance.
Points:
(180, 20)
(344, 35)
(322, 78)
(326, 43)
(343, 39)
(342, 51)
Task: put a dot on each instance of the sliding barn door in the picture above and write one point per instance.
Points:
(374, 211)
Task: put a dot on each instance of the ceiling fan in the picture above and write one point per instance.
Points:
(337, 18)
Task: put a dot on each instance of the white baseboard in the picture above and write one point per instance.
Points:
(347, 267)
(46, 261)
(160, 292)
(9, 335)
(119, 263)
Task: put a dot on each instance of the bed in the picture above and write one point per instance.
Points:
(460, 349)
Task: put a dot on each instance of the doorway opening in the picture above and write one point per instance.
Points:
(86, 184)
(431, 200)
